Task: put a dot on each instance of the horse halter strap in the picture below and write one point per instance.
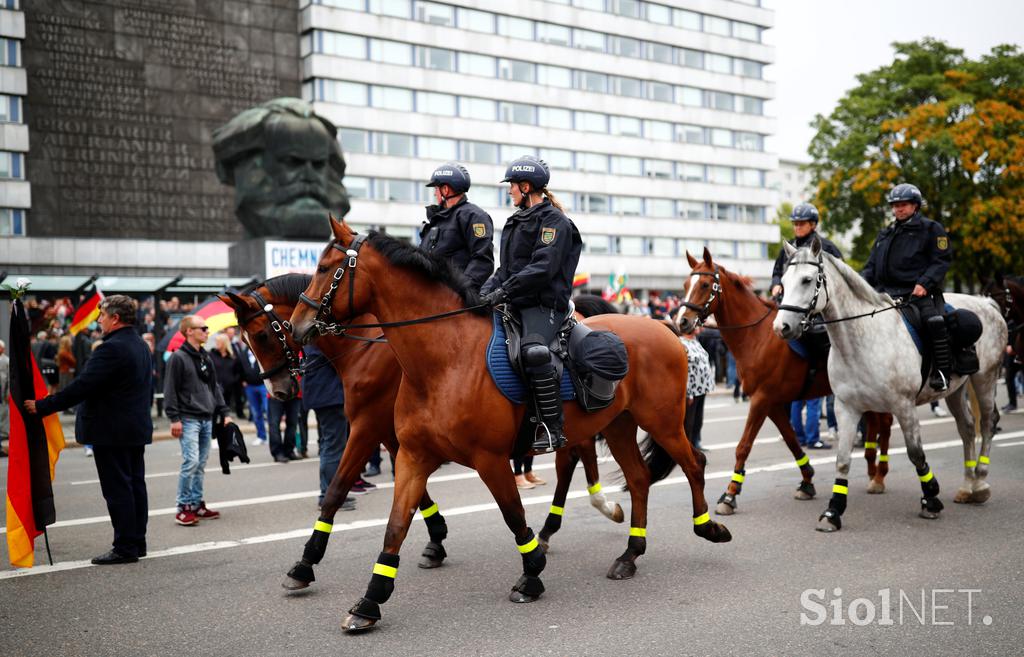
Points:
(292, 362)
(819, 284)
(716, 289)
(323, 308)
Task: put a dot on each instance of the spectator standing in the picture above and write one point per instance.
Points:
(65, 363)
(523, 469)
(700, 381)
(229, 370)
(193, 400)
(323, 394)
(808, 432)
(237, 393)
(81, 349)
(283, 449)
(113, 389)
(255, 391)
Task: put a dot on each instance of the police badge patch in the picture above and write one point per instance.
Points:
(479, 230)
(942, 243)
(547, 235)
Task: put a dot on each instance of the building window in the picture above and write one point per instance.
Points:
(554, 76)
(594, 5)
(630, 246)
(661, 130)
(509, 152)
(483, 65)
(517, 113)
(625, 126)
(354, 141)
(398, 8)
(627, 166)
(722, 248)
(552, 117)
(688, 20)
(746, 31)
(750, 105)
(402, 191)
(557, 158)
(429, 102)
(630, 87)
(749, 141)
(488, 195)
(750, 177)
(691, 58)
(722, 212)
(721, 137)
(512, 69)
(690, 134)
(435, 14)
(591, 81)
(480, 151)
(658, 169)
(596, 244)
(517, 28)
(722, 101)
(716, 25)
(393, 98)
(10, 52)
(752, 250)
(659, 14)
(438, 59)
(719, 63)
(720, 175)
(691, 172)
(626, 47)
(437, 148)
(629, 206)
(749, 69)
(661, 207)
(345, 93)
(12, 222)
(390, 52)
(659, 52)
(588, 40)
(662, 246)
(355, 5)
(393, 143)
(659, 91)
(477, 108)
(591, 122)
(690, 96)
(10, 109)
(627, 8)
(555, 34)
(692, 210)
(357, 186)
(594, 203)
(475, 20)
(341, 45)
(592, 162)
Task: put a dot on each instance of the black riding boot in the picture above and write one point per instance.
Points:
(941, 353)
(549, 410)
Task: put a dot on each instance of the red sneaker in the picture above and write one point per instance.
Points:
(202, 513)
(186, 517)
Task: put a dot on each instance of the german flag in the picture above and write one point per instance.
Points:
(581, 279)
(35, 444)
(217, 315)
(86, 313)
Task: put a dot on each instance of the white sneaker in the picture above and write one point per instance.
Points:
(256, 442)
(88, 450)
(938, 411)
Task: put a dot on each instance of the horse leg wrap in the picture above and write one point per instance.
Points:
(437, 528)
(533, 556)
(929, 484)
(434, 551)
(366, 609)
(529, 585)
(838, 501)
(551, 524)
(728, 499)
(807, 488)
(302, 571)
(316, 546)
(635, 546)
(737, 480)
(382, 582)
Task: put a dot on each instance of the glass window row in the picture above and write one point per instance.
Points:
(10, 52)
(12, 165)
(496, 196)
(354, 140)
(484, 109)
(571, 37)
(12, 222)
(671, 247)
(442, 59)
(10, 109)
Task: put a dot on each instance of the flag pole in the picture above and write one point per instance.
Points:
(46, 538)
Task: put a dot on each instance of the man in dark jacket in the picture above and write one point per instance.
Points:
(909, 261)
(192, 399)
(323, 394)
(254, 389)
(457, 229)
(805, 219)
(114, 389)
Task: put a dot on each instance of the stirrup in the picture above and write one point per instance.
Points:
(548, 442)
(943, 382)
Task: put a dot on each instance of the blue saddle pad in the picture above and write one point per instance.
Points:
(509, 383)
(914, 335)
(799, 349)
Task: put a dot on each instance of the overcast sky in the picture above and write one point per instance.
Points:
(821, 45)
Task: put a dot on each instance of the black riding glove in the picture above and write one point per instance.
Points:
(495, 297)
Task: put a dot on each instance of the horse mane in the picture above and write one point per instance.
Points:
(589, 305)
(858, 286)
(746, 284)
(433, 267)
(288, 286)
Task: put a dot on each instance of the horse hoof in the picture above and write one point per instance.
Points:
(825, 525)
(617, 515)
(713, 531)
(522, 598)
(801, 495)
(354, 623)
(928, 515)
(724, 509)
(292, 584)
(622, 570)
(875, 487)
(427, 563)
(981, 496)
(805, 491)
(962, 496)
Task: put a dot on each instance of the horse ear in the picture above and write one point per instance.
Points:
(233, 300)
(691, 260)
(707, 257)
(338, 228)
(788, 248)
(815, 246)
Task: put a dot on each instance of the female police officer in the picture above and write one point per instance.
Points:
(540, 248)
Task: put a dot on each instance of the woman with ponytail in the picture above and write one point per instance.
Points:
(540, 248)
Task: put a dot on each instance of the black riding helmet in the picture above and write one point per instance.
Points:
(905, 192)
(452, 174)
(528, 169)
(805, 212)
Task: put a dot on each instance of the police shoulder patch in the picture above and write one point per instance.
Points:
(942, 242)
(547, 235)
(479, 230)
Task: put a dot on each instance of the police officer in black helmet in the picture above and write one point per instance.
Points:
(805, 218)
(457, 229)
(540, 248)
(909, 261)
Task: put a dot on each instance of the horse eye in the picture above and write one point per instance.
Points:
(320, 269)
(704, 285)
(807, 280)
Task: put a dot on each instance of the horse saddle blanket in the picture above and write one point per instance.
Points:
(964, 327)
(812, 346)
(508, 379)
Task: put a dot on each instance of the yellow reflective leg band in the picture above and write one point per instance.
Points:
(970, 464)
(870, 445)
(386, 571)
(983, 459)
(803, 460)
(883, 458)
(842, 490)
(738, 478)
(529, 547)
(638, 531)
(595, 489)
(702, 518)
(321, 526)
(557, 510)
(429, 511)
(926, 477)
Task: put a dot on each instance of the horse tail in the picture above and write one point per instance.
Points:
(672, 327)
(658, 461)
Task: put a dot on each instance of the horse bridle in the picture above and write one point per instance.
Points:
(819, 284)
(716, 288)
(281, 328)
(324, 321)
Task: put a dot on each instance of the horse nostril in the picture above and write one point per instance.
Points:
(785, 328)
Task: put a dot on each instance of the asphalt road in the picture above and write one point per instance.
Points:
(215, 589)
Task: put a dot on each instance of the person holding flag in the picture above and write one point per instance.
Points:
(114, 389)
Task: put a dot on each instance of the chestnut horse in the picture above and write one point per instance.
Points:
(773, 375)
(448, 407)
(370, 376)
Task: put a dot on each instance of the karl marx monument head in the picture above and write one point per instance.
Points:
(286, 166)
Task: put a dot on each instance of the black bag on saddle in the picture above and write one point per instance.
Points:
(964, 330)
(597, 362)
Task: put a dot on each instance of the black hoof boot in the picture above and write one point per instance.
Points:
(528, 589)
(362, 616)
(299, 577)
(713, 531)
(830, 521)
(930, 508)
(622, 570)
(726, 505)
(805, 491)
(433, 556)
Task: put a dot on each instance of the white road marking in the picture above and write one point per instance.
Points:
(456, 511)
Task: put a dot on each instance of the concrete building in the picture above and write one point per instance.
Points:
(791, 182)
(651, 116)
(15, 191)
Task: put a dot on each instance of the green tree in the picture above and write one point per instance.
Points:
(952, 126)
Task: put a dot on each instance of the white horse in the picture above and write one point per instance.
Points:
(875, 366)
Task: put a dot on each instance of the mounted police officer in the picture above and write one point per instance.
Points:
(540, 248)
(457, 229)
(805, 218)
(909, 260)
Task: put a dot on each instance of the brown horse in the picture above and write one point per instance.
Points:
(370, 376)
(773, 375)
(448, 407)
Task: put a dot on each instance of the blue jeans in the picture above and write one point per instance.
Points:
(806, 430)
(257, 398)
(730, 370)
(830, 412)
(283, 445)
(195, 448)
(332, 436)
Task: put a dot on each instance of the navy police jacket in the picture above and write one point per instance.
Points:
(464, 234)
(114, 390)
(907, 253)
(321, 386)
(540, 248)
(783, 259)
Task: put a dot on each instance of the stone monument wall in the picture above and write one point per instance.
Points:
(122, 98)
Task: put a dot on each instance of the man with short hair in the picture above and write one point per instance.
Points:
(192, 399)
(114, 389)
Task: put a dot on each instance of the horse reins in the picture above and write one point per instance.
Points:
(279, 326)
(705, 310)
(323, 308)
(822, 283)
